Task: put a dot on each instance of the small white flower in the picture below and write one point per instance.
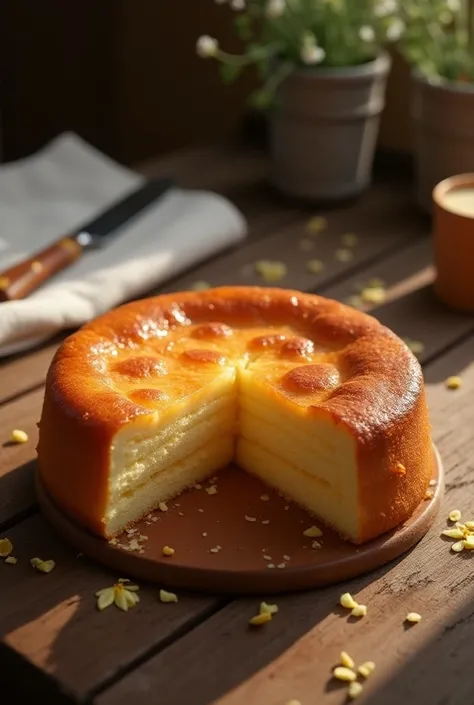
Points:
(395, 30)
(237, 5)
(384, 8)
(312, 54)
(366, 33)
(206, 46)
(275, 8)
(453, 6)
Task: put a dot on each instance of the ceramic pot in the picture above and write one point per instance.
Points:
(443, 114)
(324, 128)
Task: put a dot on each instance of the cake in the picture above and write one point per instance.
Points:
(317, 399)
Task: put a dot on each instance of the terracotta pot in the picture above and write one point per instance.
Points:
(324, 128)
(453, 230)
(443, 115)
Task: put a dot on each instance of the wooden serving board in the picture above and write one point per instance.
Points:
(233, 541)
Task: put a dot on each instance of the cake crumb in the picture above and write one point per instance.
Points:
(11, 559)
(344, 674)
(247, 518)
(134, 545)
(142, 537)
(400, 469)
(265, 521)
(433, 483)
(316, 544)
(211, 490)
(455, 515)
(43, 566)
(281, 565)
(6, 547)
(264, 497)
(154, 519)
(359, 611)
(214, 550)
(347, 601)
(260, 619)
(347, 660)
(163, 507)
(270, 565)
(366, 668)
(286, 507)
(19, 436)
(413, 617)
(166, 596)
(201, 510)
(267, 558)
(265, 607)
(429, 494)
(204, 533)
(197, 486)
(453, 382)
(313, 532)
(286, 558)
(344, 255)
(129, 532)
(354, 689)
(168, 551)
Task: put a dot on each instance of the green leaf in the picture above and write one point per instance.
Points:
(243, 27)
(229, 72)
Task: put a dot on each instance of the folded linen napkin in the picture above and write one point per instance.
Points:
(54, 191)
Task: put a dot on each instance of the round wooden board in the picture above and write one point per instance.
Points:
(197, 522)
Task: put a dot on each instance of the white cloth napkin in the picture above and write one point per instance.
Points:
(56, 190)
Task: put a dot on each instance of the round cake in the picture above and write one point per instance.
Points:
(318, 400)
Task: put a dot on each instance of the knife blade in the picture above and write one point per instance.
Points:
(20, 280)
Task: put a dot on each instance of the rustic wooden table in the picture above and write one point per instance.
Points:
(57, 646)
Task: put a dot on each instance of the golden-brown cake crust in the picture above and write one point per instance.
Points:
(379, 393)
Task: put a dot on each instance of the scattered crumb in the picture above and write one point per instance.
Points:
(6, 547)
(286, 507)
(270, 565)
(315, 266)
(349, 239)
(197, 486)
(163, 507)
(129, 532)
(347, 660)
(267, 558)
(455, 515)
(316, 224)
(11, 559)
(413, 617)
(265, 607)
(359, 611)
(201, 510)
(247, 518)
(181, 514)
(293, 702)
(42, 566)
(453, 382)
(265, 521)
(286, 558)
(429, 494)
(366, 668)
(313, 532)
(260, 619)
(204, 533)
(316, 544)
(168, 596)
(19, 436)
(347, 601)
(168, 551)
(344, 674)
(214, 550)
(155, 519)
(344, 255)
(142, 537)
(281, 565)
(433, 483)
(373, 295)
(271, 271)
(265, 498)
(134, 545)
(113, 542)
(354, 689)
(200, 285)
(211, 490)
(400, 469)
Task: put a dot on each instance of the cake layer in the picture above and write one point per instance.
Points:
(162, 486)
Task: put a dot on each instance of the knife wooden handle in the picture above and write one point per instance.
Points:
(23, 278)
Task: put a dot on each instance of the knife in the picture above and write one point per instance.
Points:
(23, 278)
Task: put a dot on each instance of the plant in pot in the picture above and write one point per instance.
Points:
(323, 70)
(439, 44)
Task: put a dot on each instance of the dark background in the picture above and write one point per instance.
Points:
(125, 76)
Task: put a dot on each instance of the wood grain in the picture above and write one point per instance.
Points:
(222, 652)
(53, 623)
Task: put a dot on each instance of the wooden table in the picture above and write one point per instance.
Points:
(57, 646)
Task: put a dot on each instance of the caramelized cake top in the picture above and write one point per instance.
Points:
(322, 355)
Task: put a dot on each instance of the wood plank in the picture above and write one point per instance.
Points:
(222, 652)
(51, 620)
(23, 372)
(17, 496)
